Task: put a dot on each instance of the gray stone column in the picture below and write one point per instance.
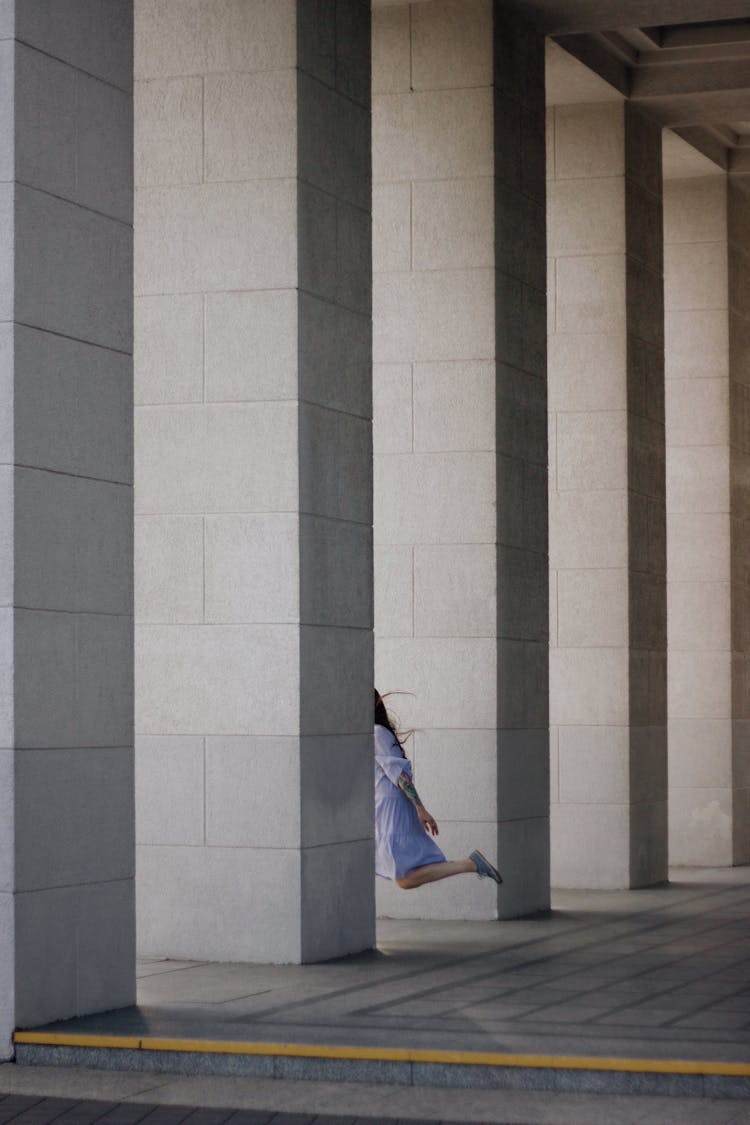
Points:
(698, 516)
(647, 533)
(738, 229)
(521, 421)
(434, 392)
(460, 435)
(253, 479)
(607, 491)
(66, 764)
(707, 251)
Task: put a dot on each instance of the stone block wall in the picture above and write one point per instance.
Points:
(215, 287)
(647, 527)
(699, 551)
(253, 489)
(588, 490)
(706, 247)
(434, 420)
(521, 467)
(738, 235)
(66, 498)
(607, 526)
(460, 432)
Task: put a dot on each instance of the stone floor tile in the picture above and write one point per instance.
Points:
(85, 1113)
(407, 1121)
(689, 1111)
(44, 1111)
(14, 1104)
(155, 966)
(637, 1017)
(331, 1119)
(726, 1020)
(562, 1013)
(588, 1109)
(208, 1117)
(288, 1096)
(80, 1082)
(251, 1117)
(736, 1003)
(127, 1114)
(292, 1119)
(167, 1115)
(460, 1107)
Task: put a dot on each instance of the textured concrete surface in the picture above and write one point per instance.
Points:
(738, 225)
(459, 416)
(606, 482)
(79, 1097)
(66, 285)
(253, 461)
(433, 419)
(698, 496)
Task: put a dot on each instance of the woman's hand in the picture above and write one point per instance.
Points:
(427, 821)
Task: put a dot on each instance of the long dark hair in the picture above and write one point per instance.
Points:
(383, 719)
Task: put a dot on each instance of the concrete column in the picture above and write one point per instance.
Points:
(738, 225)
(522, 509)
(706, 235)
(434, 401)
(66, 764)
(607, 512)
(253, 438)
(442, 283)
(698, 514)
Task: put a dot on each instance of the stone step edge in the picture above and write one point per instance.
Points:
(387, 1054)
(392, 1065)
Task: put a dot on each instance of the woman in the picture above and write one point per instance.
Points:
(404, 848)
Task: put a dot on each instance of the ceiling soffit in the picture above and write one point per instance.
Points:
(693, 78)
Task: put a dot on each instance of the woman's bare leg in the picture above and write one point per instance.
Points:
(431, 872)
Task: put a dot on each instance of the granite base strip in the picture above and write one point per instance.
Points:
(312, 1069)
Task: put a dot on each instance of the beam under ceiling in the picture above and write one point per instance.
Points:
(567, 17)
(707, 143)
(699, 77)
(706, 34)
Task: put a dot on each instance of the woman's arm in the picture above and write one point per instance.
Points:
(408, 788)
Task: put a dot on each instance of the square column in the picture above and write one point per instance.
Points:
(460, 435)
(707, 237)
(607, 507)
(521, 466)
(253, 490)
(738, 227)
(434, 398)
(66, 763)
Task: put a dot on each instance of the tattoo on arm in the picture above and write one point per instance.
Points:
(406, 785)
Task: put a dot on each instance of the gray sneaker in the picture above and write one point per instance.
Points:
(485, 870)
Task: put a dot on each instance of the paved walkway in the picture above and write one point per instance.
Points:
(80, 1097)
(660, 976)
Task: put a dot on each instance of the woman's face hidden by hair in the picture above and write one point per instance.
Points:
(381, 715)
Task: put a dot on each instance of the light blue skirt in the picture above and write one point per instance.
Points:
(401, 843)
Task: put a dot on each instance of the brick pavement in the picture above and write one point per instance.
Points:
(20, 1109)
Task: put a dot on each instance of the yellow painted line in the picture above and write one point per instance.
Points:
(69, 1040)
(387, 1054)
